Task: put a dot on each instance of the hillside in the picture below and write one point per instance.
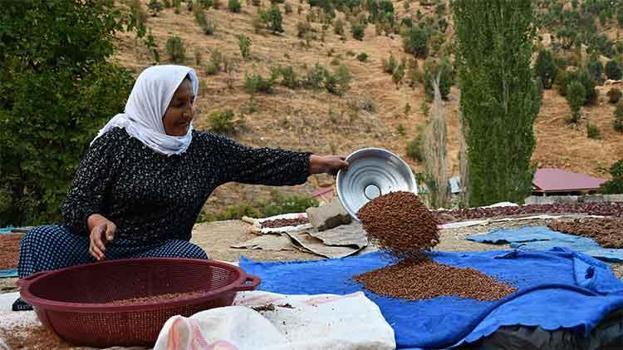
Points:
(321, 122)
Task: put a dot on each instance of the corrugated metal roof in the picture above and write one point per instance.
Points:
(559, 180)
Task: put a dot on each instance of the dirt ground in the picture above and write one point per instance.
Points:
(217, 237)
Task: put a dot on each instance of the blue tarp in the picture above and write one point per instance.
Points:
(543, 238)
(7, 229)
(8, 273)
(558, 288)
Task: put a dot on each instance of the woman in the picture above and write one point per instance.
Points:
(146, 176)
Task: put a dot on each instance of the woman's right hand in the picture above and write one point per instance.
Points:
(101, 231)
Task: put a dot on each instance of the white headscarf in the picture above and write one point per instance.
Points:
(148, 101)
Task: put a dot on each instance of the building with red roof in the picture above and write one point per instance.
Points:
(550, 181)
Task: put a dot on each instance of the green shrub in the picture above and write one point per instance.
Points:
(205, 4)
(280, 204)
(415, 42)
(339, 82)
(545, 68)
(595, 69)
(212, 69)
(234, 6)
(315, 77)
(254, 83)
(400, 129)
(615, 184)
(272, 19)
(390, 64)
(59, 87)
(358, 31)
(234, 212)
(277, 204)
(614, 95)
(414, 74)
(414, 148)
(245, 46)
(583, 77)
(575, 97)
(222, 122)
(289, 78)
(592, 131)
(362, 57)
(207, 26)
(137, 17)
(446, 77)
(214, 66)
(613, 70)
(175, 49)
(398, 74)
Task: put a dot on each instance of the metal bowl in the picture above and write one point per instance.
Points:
(372, 172)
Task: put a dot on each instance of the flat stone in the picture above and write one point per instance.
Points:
(328, 216)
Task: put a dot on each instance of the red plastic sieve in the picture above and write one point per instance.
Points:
(75, 302)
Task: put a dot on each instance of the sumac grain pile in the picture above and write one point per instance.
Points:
(284, 222)
(608, 232)
(32, 337)
(9, 254)
(402, 225)
(400, 222)
(156, 298)
(425, 279)
(603, 209)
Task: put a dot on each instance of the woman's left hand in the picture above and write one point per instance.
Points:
(326, 164)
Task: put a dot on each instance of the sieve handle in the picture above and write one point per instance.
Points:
(250, 283)
(23, 282)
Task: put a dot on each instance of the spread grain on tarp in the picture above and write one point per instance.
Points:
(427, 279)
(402, 225)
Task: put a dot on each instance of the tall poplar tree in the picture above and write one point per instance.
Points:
(499, 96)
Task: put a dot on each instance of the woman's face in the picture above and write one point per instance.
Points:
(179, 114)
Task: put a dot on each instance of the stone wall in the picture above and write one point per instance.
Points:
(591, 198)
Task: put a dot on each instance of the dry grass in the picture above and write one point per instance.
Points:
(324, 123)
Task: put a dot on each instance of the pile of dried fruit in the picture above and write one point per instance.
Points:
(608, 232)
(32, 337)
(9, 254)
(284, 222)
(156, 298)
(602, 209)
